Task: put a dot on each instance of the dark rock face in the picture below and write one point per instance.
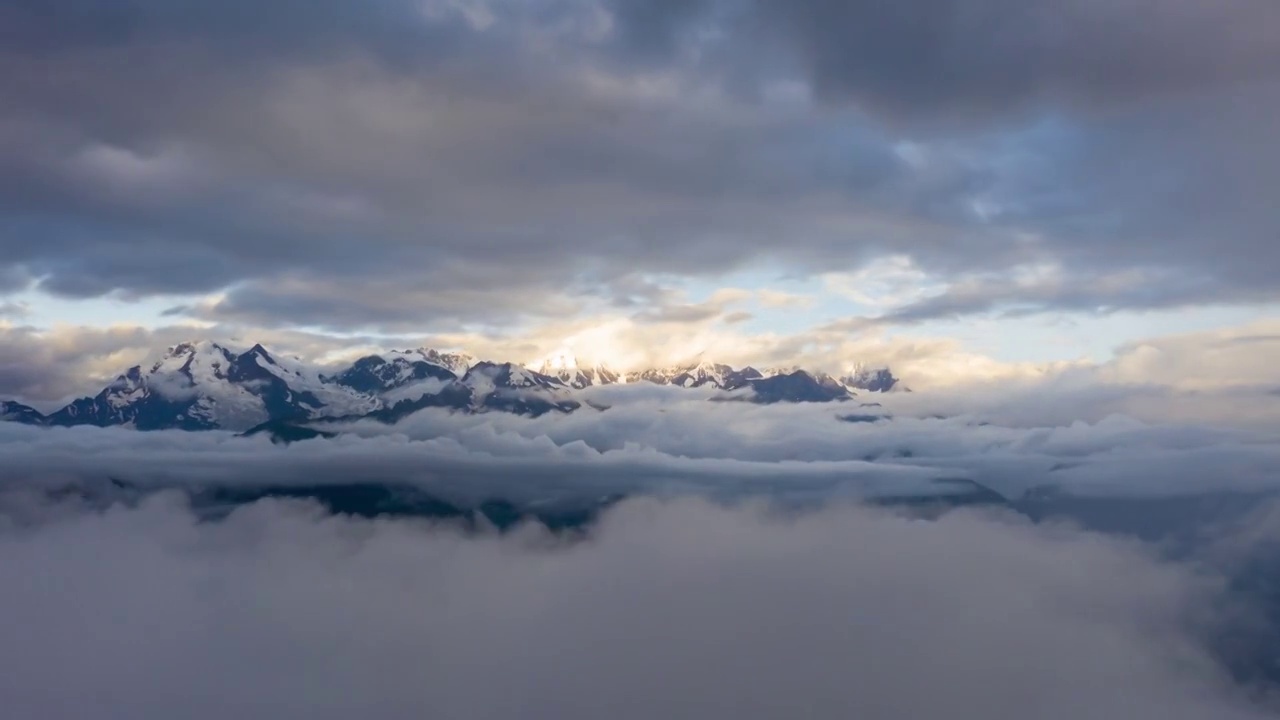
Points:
(796, 387)
(454, 396)
(130, 401)
(280, 401)
(376, 374)
(17, 412)
(510, 388)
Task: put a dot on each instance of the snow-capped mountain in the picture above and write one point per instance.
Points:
(456, 363)
(487, 386)
(514, 388)
(797, 386)
(204, 385)
(870, 379)
(383, 373)
(701, 374)
(860, 378)
(569, 371)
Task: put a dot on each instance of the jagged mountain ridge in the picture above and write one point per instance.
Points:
(566, 369)
(200, 386)
(17, 412)
(204, 385)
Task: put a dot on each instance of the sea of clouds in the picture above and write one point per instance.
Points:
(667, 608)
(1087, 441)
(743, 577)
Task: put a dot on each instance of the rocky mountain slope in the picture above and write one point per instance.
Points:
(205, 385)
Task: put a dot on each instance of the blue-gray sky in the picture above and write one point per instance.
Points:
(1028, 181)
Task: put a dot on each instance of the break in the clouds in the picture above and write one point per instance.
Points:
(351, 165)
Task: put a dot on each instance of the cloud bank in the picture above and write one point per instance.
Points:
(678, 609)
(1126, 441)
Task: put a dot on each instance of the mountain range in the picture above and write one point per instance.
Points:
(206, 386)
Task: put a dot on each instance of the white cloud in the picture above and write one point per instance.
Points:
(1228, 357)
(1091, 440)
(776, 299)
(884, 283)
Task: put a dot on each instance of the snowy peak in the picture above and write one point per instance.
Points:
(380, 374)
(508, 387)
(488, 376)
(702, 374)
(455, 362)
(203, 385)
(859, 377)
(870, 379)
(569, 371)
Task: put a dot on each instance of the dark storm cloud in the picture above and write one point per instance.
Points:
(361, 149)
(1096, 294)
(951, 59)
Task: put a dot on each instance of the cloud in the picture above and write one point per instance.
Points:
(776, 299)
(677, 609)
(996, 57)
(1073, 434)
(686, 312)
(449, 164)
(1221, 358)
(14, 309)
(1021, 291)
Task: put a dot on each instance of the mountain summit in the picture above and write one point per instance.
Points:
(204, 386)
(568, 370)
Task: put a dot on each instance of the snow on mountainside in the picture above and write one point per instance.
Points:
(455, 362)
(390, 371)
(204, 385)
(860, 378)
(870, 379)
(701, 374)
(568, 370)
(485, 387)
(514, 388)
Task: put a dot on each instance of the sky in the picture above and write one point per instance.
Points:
(998, 185)
(1055, 220)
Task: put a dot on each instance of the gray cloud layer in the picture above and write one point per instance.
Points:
(483, 161)
(677, 610)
